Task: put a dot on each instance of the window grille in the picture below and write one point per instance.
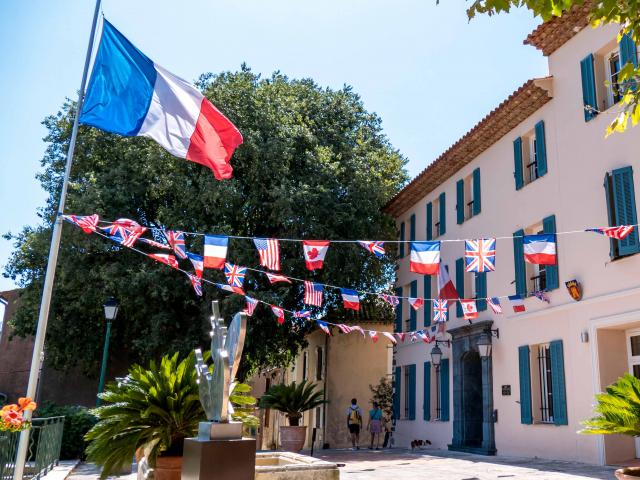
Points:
(546, 386)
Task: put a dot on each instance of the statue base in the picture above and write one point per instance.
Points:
(233, 459)
(219, 430)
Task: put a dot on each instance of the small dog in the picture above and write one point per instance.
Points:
(419, 444)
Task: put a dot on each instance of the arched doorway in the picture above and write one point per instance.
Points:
(471, 399)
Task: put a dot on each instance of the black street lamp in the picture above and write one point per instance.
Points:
(110, 313)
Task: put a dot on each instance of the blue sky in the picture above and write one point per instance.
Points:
(428, 72)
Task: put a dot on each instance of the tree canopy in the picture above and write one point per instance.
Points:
(315, 164)
(625, 13)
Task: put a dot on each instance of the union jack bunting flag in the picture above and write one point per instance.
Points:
(252, 303)
(274, 278)
(87, 223)
(324, 326)
(377, 248)
(440, 309)
(494, 303)
(269, 252)
(279, 313)
(155, 244)
(390, 299)
(196, 283)
(124, 231)
(613, 232)
(176, 240)
(313, 293)
(235, 274)
(344, 328)
(302, 314)
(480, 255)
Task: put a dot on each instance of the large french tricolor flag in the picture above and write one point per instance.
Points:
(425, 257)
(215, 251)
(540, 249)
(130, 95)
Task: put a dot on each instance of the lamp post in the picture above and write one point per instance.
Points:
(110, 313)
(436, 357)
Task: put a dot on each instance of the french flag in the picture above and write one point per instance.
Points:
(540, 249)
(517, 303)
(215, 251)
(130, 95)
(350, 299)
(425, 257)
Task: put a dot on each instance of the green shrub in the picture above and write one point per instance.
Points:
(77, 422)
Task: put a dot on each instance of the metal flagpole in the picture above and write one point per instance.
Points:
(45, 303)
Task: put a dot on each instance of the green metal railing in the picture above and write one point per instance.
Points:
(45, 440)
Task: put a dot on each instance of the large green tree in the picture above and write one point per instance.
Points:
(314, 164)
(625, 13)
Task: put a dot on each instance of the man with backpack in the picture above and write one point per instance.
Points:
(354, 423)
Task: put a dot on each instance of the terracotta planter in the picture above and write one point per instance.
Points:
(168, 468)
(628, 473)
(292, 438)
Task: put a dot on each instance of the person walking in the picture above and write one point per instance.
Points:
(354, 423)
(374, 426)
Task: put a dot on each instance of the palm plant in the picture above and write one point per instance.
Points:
(618, 409)
(153, 408)
(292, 400)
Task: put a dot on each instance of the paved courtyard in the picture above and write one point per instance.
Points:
(398, 464)
(444, 465)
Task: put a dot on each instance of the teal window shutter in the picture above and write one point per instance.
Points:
(460, 201)
(427, 303)
(411, 391)
(588, 87)
(477, 202)
(402, 240)
(525, 385)
(481, 291)
(412, 228)
(397, 392)
(459, 284)
(608, 193)
(628, 52)
(429, 221)
(444, 389)
(517, 163)
(558, 383)
(443, 214)
(426, 392)
(541, 149)
(624, 209)
(553, 278)
(518, 260)
(399, 310)
(412, 312)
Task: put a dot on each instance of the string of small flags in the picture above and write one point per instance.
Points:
(425, 259)
(426, 335)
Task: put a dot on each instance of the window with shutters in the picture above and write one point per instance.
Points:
(436, 394)
(319, 363)
(612, 68)
(468, 197)
(436, 225)
(607, 64)
(305, 365)
(405, 394)
(541, 384)
(529, 157)
(621, 206)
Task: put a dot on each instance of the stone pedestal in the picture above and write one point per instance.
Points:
(219, 459)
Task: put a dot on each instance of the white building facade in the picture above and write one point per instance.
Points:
(538, 163)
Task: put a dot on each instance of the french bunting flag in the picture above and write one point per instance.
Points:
(198, 263)
(540, 249)
(350, 299)
(517, 303)
(131, 95)
(314, 253)
(425, 257)
(215, 251)
(324, 326)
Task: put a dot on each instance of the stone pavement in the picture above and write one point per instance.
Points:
(444, 465)
(400, 464)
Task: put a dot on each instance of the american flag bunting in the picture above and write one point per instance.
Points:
(269, 252)
(313, 293)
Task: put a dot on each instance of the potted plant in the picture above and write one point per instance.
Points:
(149, 413)
(292, 400)
(619, 413)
